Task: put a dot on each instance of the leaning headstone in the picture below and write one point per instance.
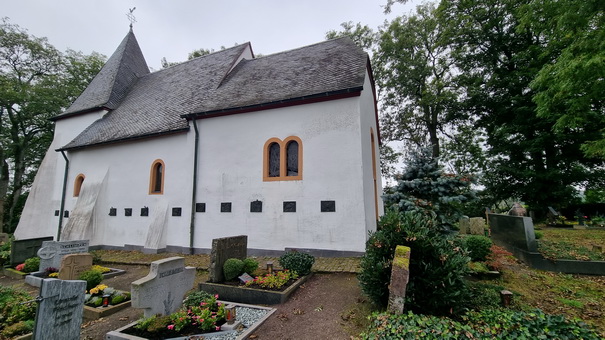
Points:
(400, 275)
(223, 249)
(477, 226)
(163, 289)
(4, 238)
(464, 224)
(59, 314)
(73, 265)
(52, 252)
(21, 250)
(552, 215)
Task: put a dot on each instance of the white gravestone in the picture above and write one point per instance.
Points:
(163, 289)
(52, 252)
(59, 314)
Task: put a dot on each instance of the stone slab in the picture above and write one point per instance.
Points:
(22, 250)
(400, 275)
(223, 249)
(477, 226)
(464, 225)
(59, 314)
(163, 289)
(73, 265)
(51, 253)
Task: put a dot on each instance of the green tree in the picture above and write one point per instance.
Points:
(36, 83)
(424, 186)
(569, 87)
(499, 58)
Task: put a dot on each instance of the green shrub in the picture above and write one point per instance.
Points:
(300, 263)
(232, 268)
(92, 278)
(11, 308)
(32, 265)
(116, 299)
(538, 234)
(486, 324)
(478, 247)
(250, 266)
(19, 328)
(196, 298)
(438, 267)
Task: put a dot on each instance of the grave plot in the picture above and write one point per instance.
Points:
(274, 287)
(160, 294)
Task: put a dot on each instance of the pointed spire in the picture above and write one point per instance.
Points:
(114, 81)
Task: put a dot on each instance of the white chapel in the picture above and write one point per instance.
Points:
(282, 148)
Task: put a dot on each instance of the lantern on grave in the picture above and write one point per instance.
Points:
(106, 300)
(230, 314)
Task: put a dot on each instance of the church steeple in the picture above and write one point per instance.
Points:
(114, 81)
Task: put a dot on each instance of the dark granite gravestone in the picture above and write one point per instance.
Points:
(223, 249)
(518, 231)
(59, 314)
(21, 250)
(163, 289)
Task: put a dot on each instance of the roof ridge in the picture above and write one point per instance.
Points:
(203, 56)
(303, 47)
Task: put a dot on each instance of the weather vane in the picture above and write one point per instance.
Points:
(131, 17)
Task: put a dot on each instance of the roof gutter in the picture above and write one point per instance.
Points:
(63, 196)
(194, 190)
(77, 113)
(316, 98)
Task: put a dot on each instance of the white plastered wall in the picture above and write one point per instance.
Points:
(38, 218)
(230, 170)
(125, 170)
(368, 125)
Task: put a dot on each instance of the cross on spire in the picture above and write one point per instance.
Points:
(131, 17)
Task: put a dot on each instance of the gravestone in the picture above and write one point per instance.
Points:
(4, 238)
(464, 224)
(163, 289)
(552, 215)
(477, 226)
(517, 210)
(59, 314)
(223, 249)
(52, 252)
(400, 275)
(22, 250)
(73, 265)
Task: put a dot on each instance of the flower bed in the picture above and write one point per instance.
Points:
(251, 295)
(35, 278)
(248, 317)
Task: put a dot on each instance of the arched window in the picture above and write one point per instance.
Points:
(274, 151)
(78, 184)
(156, 178)
(282, 160)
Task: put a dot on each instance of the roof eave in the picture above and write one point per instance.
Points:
(77, 113)
(315, 98)
(127, 139)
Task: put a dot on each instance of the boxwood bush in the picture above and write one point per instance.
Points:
(32, 264)
(232, 268)
(478, 247)
(300, 263)
(92, 278)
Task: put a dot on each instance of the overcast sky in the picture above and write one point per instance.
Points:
(174, 28)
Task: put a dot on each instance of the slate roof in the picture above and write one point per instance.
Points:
(115, 79)
(158, 103)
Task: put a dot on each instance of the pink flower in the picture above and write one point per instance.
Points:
(20, 267)
(218, 328)
(218, 303)
(216, 296)
(170, 327)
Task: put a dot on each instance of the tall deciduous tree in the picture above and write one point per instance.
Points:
(499, 58)
(570, 87)
(36, 82)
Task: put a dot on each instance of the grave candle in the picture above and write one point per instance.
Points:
(230, 314)
(270, 267)
(106, 300)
